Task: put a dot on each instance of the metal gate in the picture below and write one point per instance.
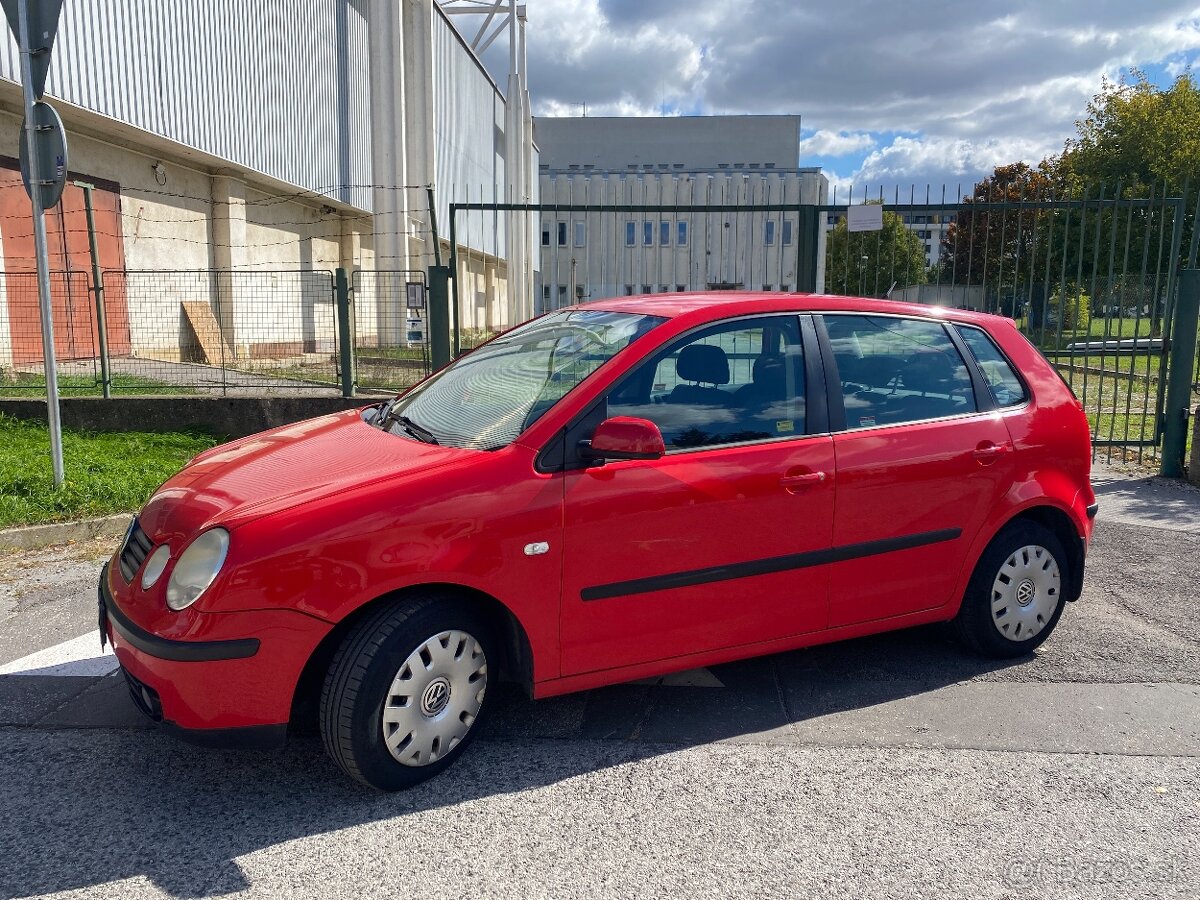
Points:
(1091, 279)
(391, 328)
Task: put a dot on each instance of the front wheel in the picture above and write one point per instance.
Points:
(1016, 593)
(405, 693)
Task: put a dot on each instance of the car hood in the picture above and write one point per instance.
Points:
(265, 473)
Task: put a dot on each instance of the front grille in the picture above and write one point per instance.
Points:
(133, 554)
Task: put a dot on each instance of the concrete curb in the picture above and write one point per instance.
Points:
(35, 537)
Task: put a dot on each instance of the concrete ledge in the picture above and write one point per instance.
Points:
(34, 537)
(222, 417)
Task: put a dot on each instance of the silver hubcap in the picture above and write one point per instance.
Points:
(1025, 593)
(435, 698)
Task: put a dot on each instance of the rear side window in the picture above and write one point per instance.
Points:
(895, 370)
(997, 371)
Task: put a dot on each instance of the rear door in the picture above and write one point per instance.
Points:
(921, 459)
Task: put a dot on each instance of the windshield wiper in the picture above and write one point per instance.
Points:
(386, 417)
(418, 431)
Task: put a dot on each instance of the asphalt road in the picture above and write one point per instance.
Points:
(894, 766)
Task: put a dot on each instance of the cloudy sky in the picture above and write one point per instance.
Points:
(922, 92)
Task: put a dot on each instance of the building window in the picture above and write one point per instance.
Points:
(545, 235)
(647, 289)
(562, 234)
(787, 231)
(664, 233)
(546, 293)
(580, 234)
(562, 295)
(629, 290)
(647, 233)
(680, 288)
(682, 237)
(630, 233)
(769, 234)
(664, 288)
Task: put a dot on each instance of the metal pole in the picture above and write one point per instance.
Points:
(97, 291)
(39, 241)
(1182, 351)
(341, 288)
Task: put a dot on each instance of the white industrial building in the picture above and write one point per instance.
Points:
(278, 135)
(680, 165)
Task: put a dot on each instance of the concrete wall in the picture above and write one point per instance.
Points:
(223, 417)
(668, 144)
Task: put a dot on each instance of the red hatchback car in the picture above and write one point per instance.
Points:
(608, 492)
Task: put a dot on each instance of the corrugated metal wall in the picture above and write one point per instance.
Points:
(468, 134)
(277, 86)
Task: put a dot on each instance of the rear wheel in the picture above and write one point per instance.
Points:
(406, 691)
(1016, 593)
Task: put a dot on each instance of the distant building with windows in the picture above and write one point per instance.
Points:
(930, 228)
(599, 171)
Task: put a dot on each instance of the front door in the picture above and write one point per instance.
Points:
(720, 542)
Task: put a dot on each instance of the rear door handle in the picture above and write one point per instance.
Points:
(989, 453)
(796, 482)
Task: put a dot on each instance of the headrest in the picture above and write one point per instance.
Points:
(704, 363)
(927, 372)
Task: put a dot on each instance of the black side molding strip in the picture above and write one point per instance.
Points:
(1092, 509)
(162, 648)
(767, 566)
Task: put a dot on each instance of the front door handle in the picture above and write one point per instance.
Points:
(794, 483)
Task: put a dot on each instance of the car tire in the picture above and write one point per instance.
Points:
(1016, 593)
(422, 666)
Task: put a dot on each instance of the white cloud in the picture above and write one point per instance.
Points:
(835, 143)
(974, 81)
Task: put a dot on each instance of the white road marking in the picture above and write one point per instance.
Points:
(79, 656)
(690, 678)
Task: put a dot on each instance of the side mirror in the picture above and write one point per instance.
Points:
(624, 437)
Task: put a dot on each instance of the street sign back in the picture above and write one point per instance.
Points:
(43, 27)
(50, 144)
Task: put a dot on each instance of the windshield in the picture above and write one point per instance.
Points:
(485, 399)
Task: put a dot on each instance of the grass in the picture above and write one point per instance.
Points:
(105, 473)
(26, 385)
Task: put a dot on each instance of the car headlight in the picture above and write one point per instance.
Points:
(198, 565)
(153, 569)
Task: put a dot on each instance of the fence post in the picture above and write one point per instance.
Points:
(439, 316)
(341, 290)
(1180, 362)
(808, 238)
(97, 291)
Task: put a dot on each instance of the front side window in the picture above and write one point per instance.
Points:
(562, 234)
(682, 234)
(769, 232)
(998, 372)
(647, 233)
(630, 233)
(727, 384)
(483, 400)
(664, 233)
(897, 370)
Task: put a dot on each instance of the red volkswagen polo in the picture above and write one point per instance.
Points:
(609, 492)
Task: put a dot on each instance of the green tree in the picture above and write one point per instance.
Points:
(869, 263)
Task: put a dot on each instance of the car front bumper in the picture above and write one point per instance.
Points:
(231, 690)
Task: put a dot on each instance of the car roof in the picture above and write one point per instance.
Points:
(705, 305)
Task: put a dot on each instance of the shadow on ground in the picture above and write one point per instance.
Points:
(130, 804)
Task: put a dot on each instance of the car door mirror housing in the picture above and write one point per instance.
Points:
(624, 437)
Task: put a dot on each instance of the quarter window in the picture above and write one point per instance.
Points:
(999, 374)
(734, 382)
(898, 370)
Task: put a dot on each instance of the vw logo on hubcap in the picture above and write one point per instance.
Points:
(1025, 592)
(436, 696)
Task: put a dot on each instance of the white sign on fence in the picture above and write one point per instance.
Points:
(868, 217)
